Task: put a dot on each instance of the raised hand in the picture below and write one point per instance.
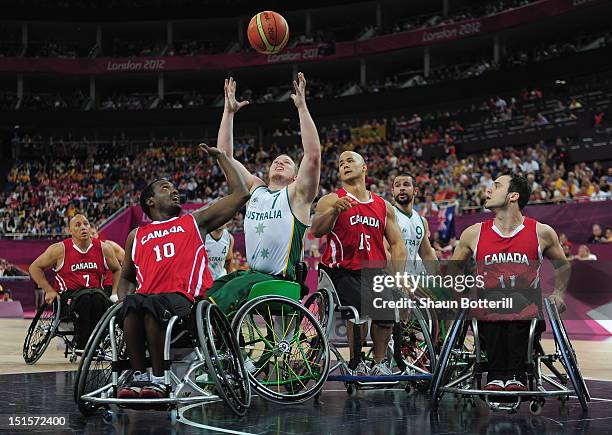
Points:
(213, 152)
(231, 104)
(299, 89)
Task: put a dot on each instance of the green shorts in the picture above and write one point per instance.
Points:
(231, 291)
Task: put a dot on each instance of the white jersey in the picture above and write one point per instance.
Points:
(273, 235)
(413, 231)
(217, 253)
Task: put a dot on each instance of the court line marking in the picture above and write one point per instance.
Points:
(184, 420)
(587, 419)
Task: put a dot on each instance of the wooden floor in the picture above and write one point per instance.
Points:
(594, 356)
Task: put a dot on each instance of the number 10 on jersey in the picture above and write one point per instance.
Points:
(167, 250)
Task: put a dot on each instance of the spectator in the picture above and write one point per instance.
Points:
(566, 245)
(584, 254)
(597, 234)
(530, 165)
(608, 235)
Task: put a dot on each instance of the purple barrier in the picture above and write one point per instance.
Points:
(11, 310)
(22, 252)
(575, 220)
(419, 37)
(22, 290)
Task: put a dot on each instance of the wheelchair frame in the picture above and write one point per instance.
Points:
(32, 352)
(202, 347)
(471, 367)
(412, 374)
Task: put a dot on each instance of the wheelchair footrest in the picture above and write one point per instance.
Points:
(466, 392)
(387, 378)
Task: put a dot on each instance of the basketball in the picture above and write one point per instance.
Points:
(268, 32)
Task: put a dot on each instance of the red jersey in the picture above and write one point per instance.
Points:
(170, 257)
(80, 268)
(509, 261)
(357, 240)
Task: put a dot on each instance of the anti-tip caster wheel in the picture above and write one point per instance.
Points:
(109, 417)
(351, 390)
(535, 407)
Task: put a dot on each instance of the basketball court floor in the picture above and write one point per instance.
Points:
(46, 389)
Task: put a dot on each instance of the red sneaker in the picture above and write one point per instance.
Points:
(495, 385)
(153, 391)
(514, 385)
(129, 392)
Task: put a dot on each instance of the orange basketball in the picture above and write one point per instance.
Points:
(268, 32)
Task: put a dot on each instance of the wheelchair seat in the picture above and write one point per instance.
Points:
(294, 290)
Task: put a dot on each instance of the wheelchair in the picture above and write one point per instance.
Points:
(202, 341)
(285, 348)
(52, 320)
(460, 371)
(410, 349)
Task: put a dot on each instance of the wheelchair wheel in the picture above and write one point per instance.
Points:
(413, 347)
(320, 306)
(447, 362)
(104, 347)
(289, 360)
(568, 355)
(224, 360)
(95, 369)
(41, 331)
(429, 314)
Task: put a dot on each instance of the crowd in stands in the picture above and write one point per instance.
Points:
(56, 179)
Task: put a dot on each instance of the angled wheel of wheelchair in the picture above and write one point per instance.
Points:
(429, 314)
(104, 347)
(413, 348)
(321, 307)
(447, 365)
(224, 360)
(95, 368)
(289, 360)
(41, 331)
(568, 355)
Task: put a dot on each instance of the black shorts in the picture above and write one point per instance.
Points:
(108, 289)
(163, 306)
(355, 288)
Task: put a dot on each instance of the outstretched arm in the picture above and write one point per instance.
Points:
(307, 181)
(127, 279)
(46, 260)
(211, 218)
(552, 249)
(225, 137)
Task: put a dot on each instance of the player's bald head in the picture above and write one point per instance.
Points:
(78, 218)
(356, 156)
